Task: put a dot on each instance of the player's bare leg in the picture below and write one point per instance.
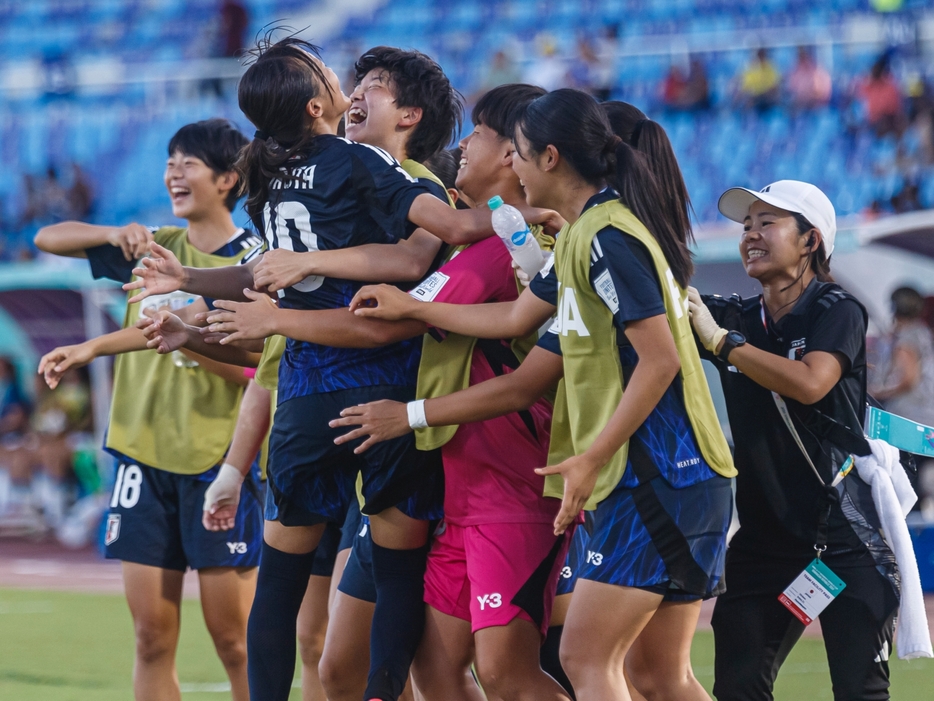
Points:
(508, 664)
(595, 644)
(346, 659)
(441, 668)
(312, 627)
(154, 596)
(226, 597)
(659, 661)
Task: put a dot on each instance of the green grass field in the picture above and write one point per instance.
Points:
(79, 647)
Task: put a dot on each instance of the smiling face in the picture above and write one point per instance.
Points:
(373, 115)
(771, 244)
(532, 176)
(484, 154)
(194, 188)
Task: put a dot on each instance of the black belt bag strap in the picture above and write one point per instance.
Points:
(667, 538)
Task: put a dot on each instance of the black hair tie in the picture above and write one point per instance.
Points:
(261, 135)
(637, 132)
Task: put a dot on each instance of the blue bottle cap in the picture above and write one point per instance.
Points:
(495, 202)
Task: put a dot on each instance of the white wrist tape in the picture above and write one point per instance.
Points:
(416, 412)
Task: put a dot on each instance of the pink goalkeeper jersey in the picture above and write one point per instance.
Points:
(489, 465)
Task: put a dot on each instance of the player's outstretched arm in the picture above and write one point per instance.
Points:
(72, 238)
(338, 328)
(405, 261)
(515, 391)
(54, 364)
(165, 332)
(223, 495)
(494, 320)
(462, 226)
(161, 273)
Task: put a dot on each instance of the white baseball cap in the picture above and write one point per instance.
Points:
(791, 195)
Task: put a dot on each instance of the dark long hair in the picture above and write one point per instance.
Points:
(651, 140)
(572, 122)
(273, 94)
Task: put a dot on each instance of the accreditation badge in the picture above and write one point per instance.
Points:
(811, 592)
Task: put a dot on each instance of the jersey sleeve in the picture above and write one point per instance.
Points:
(549, 340)
(840, 328)
(108, 262)
(545, 284)
(385, 189)
(622, 273)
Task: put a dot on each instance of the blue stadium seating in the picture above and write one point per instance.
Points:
(119, 138)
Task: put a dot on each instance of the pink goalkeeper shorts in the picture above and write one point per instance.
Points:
(492, 573)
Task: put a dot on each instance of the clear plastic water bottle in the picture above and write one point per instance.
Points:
(510, 226)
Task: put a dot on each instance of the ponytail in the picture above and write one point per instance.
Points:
(574, 123)
(651, 140)
(638, 189)
(273, 94)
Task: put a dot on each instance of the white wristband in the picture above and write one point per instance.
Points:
(416, 412)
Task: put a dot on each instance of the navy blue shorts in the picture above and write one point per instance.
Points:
(357, 580)
(155, 519)
(622, 548)
(351, 526)
(313, 480)
(576, 554)
(326, 554)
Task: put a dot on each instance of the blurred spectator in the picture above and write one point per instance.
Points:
(686, 92)
(809, 85)
(502, 71)
(547, 71)
(33, 206)
(603, 75)
(907, 199)
(882, 99)
(59, 75)
(921, 116)
(759, 83)
(697, 91)
(54, 196)
(14, 407)
(674, 87)
(37, 480)
(234, 21)
(903, 379)
(80, 195)
(584, 67)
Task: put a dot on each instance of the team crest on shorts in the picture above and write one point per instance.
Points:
(113, 529)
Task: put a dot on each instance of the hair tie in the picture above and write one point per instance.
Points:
(261, 135)
(637, 132)
(613, 143)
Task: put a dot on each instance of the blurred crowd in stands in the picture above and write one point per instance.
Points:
(45, 198)
(47, 453)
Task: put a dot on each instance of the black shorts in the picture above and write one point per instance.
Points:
(155, 519)
(313, 480)
(754, 632)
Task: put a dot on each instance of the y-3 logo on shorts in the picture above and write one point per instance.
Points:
(237, 548)
(494, 601)
(594, 558)
(566, 572)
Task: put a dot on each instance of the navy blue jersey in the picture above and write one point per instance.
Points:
(108, 261)
(343, 194)
(622, 273)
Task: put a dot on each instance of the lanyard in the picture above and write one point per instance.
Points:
(820, 544)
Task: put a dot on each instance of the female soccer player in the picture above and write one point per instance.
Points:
(171, 422)
(793, 365)
(661, 515)
(334, 194)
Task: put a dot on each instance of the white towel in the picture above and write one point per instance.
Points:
(893, 497)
